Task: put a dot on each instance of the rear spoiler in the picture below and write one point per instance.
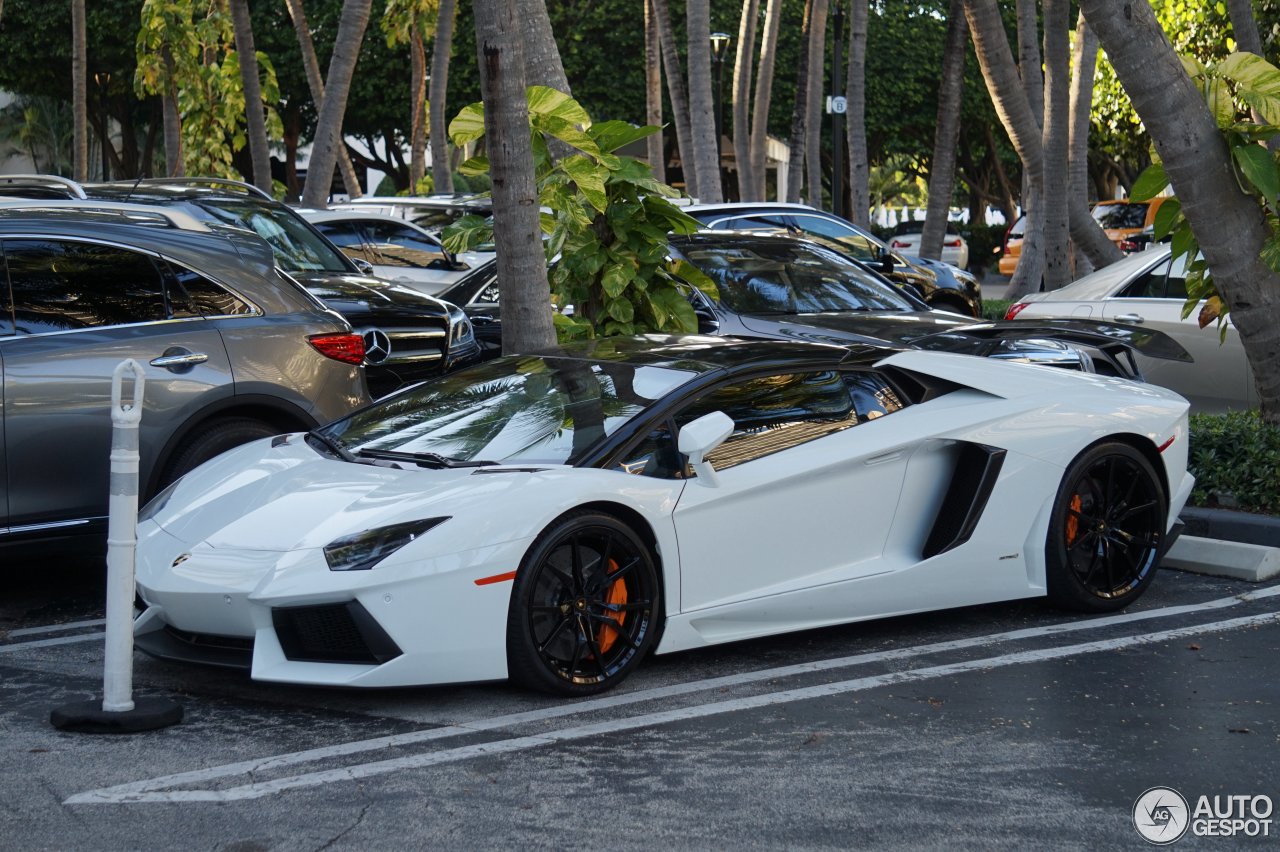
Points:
(1115, 342)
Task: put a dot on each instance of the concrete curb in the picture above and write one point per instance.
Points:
(1238, 560)
(1232, 526)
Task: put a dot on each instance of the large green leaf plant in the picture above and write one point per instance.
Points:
(606, 221)
(1235, 87)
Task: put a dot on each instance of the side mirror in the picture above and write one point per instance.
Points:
(886, 261)
(363, 265)
(701, 437)
(707, 322)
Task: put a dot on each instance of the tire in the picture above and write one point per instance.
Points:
(950, 303)
(569, 632)
(1106, 534)
(211, 439)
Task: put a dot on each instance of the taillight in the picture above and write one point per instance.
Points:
(1015, 309)
(1128, 245)
(347, 348)
(900, 244)
(952, 244)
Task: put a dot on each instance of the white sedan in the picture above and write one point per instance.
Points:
(1150, 289)
(906, 239)
(553, 518)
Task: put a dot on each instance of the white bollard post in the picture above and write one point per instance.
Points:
(118, 713)
(122, 538)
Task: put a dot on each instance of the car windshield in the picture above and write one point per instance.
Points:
(791, 278)
(296, 247)
(1127, 215)
(515, 410)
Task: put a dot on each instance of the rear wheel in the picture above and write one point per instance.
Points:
(584, 606)
(211, 439)
(1107, 530)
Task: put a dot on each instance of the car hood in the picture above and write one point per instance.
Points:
(278, 497)
(895, 327)
(351, 294)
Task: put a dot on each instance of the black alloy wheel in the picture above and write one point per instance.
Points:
(583, 607)
(1107, 530)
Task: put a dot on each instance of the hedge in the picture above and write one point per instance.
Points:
(1235, 459)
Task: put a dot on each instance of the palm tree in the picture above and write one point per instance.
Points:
(79, 91)
(316, 84)
(804, 144)
(817, 75)
(324, 151)
(255, 118)
(678, 94)
(542, 65)
(856, 127)
(441, 168)
(1057, 124)
(522, 266)
(655, 149)
(403, 22)
(742, 63)
(764, 94)
(942, 165)
(171, 116)
(1228, 224)
(702, 120)
(1094, 250)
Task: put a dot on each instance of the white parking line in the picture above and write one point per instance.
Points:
(624, 698)
(49, 643)
(366, 770)
(55, 628)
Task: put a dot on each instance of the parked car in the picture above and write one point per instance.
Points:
(1122, 219)
(554, 517)
(232, 351)
(1011, 247)
(433, 213)
(408, 335)
(479, 295)
(398, 251)
(906, 239)
(941, 285)
(1149, 289)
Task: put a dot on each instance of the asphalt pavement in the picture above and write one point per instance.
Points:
(1009, 726)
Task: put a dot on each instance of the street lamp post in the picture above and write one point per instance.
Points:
(103, 79)
(719, 46)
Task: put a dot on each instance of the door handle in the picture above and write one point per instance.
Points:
(179, 360)
(1134, 318)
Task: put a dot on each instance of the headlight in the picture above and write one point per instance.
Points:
(460, 330)
(363, 550)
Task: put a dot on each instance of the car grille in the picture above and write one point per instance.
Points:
(425, 342)
(332, 633)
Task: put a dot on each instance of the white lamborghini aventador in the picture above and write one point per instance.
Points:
(552, 518)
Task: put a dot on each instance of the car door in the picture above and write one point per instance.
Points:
(1220, 379)
(803, 499)
(80, 308)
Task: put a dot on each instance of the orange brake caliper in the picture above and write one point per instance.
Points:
(1073, 519)
(616, 596)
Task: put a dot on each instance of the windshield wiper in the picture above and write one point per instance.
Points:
(332, 445)
(425, 459)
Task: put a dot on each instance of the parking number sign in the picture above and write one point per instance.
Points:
(836, 104)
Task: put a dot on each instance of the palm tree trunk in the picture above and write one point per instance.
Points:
(655, 149)
(172, 118)
(702, 119)
(1009, 97)
(1245, 29)
(679, 96)
(856, 116)
(764, 94)
(942, 166)
(742, 66)
(542, 65)
(328, 139)
(316, 84)
(813, 123)
(441, 168)
(1090, 240)
(79, 93)
(796, 146)
(1057, 129)
(522, 266)
(255, 119)
(1228, 224)
(418, 108)
(1029, 69)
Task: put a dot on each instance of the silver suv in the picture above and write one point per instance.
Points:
(232, 350)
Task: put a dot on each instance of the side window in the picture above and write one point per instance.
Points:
(1149, 285)
(64, 286)
(207, 298)
(6, 299)
(762, 222)
(346, 236)
(775, 413)
(872, 396)
(656, 456)
(857, 244)
(1176, 283)
(398, 245)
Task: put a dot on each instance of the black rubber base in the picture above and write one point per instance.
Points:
(88, 717)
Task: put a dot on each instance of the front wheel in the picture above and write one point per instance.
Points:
(584, 606)
(214, 438)
(1107, 530)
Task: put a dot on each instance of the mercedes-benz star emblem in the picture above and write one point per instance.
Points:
(377, 346)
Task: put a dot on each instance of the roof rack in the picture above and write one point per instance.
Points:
(76, 190)
(246, 188)
(173, 218)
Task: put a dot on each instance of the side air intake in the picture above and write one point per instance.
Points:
(977, 468)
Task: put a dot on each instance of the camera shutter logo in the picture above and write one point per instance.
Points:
(1161, 815)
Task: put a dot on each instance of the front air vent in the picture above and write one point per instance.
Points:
(332, 633)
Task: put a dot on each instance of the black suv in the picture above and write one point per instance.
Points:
(408, 336)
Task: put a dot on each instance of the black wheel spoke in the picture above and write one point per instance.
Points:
(597, 653)
(1088, 536)
(575, 552)
(565, 580)
(545, 607)
(1134, 510)
(578, 644)
(554, 633)
(623, 570)
(604, 564)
